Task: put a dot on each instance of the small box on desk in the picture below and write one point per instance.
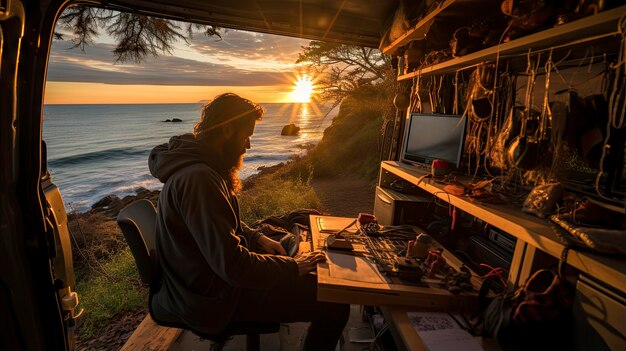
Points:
(394, 208)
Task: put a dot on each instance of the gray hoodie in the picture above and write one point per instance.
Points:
(203, 261)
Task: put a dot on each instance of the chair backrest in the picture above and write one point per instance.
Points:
(138, 223)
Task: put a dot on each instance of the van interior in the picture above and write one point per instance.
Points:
(507, 149)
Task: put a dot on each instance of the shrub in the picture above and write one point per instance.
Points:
(272, 195)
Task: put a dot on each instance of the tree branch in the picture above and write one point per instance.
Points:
(136, 35)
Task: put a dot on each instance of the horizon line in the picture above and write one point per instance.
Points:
(164, 103)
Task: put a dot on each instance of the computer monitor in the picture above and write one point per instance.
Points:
(431, 136)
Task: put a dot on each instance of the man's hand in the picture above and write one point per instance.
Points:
(307, 262)
(270, 246)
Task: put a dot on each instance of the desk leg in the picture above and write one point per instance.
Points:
(522, 263)
(395, 326)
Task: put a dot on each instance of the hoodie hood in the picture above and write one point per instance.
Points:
(180, 152)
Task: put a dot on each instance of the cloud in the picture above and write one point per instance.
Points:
(251, 46)
(240, 59)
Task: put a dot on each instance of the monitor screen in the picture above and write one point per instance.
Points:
(434, 136)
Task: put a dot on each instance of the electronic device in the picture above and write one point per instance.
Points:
(504, 240)
(386, 252)
(483, 250)
(434, 136)
(393, 208)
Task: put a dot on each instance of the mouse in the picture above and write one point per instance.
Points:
(291, 244)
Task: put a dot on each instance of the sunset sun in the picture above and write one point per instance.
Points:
(302, 90)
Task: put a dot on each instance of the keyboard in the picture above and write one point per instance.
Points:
(385, 252)
(391, 243)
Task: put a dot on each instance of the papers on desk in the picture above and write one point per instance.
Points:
(354, 268)
(440, 332)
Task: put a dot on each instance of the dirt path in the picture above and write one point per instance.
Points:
(345, 196)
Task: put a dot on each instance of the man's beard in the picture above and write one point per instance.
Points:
(233, 160)
(233, 175)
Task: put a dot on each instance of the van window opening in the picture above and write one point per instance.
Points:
(89, 89)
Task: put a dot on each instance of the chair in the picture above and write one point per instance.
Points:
(138, 223)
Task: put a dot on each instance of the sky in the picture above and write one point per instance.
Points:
(260, 67)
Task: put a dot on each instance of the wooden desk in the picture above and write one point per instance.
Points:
(354, 279)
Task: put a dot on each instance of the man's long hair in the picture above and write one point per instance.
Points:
(222, 110)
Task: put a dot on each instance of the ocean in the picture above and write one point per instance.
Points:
(100, 150)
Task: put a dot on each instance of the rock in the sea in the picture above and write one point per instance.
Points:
(173, 120)
(290, 129)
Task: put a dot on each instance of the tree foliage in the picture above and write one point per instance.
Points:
(136, 35)
(360, 78)
(342, 69)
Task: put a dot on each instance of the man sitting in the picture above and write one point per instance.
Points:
(213, 271)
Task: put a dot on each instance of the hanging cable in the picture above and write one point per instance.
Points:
(616, 105)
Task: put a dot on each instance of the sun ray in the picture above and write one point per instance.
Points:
(303, 89)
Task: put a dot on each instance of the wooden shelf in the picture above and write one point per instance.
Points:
(450, 14)
(530, 229)
(418, 31)
(583, 30)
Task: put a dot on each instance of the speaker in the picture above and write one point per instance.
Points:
(394, 208)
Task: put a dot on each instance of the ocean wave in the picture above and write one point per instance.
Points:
(81, 198)
(150, 184)
(265, 158)
(306, 146)
(108, 155)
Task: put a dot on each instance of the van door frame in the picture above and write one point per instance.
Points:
(31, 314)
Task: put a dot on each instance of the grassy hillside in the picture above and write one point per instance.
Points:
(350, 145)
